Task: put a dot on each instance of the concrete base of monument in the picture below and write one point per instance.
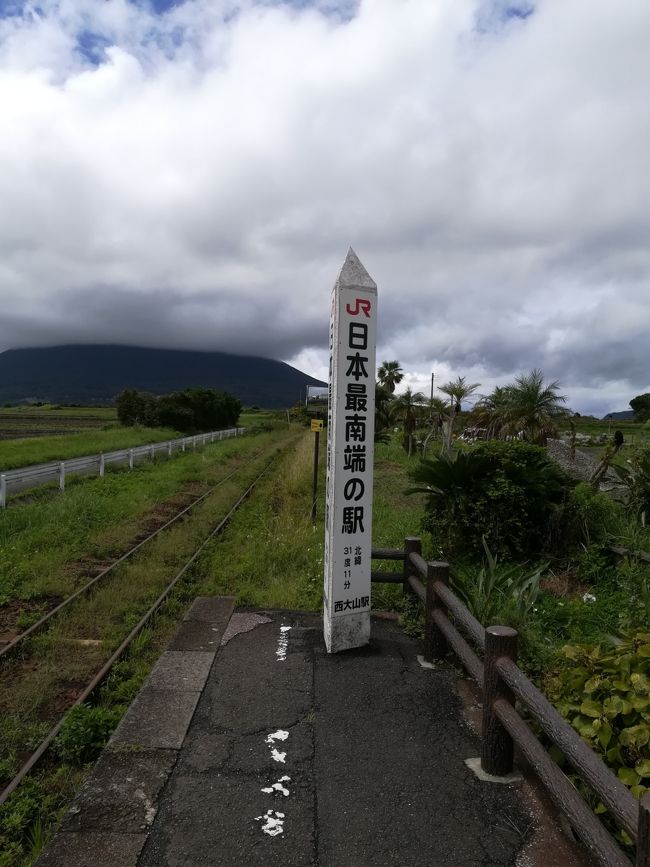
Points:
(347, 632)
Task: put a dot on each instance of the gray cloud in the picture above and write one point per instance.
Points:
(200, 185)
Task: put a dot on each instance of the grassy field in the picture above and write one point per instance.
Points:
(89, 431)
(40, 541)
(36, 450)
(273, 552)
(47, 420)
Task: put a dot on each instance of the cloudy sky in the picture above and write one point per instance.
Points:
(191, 175)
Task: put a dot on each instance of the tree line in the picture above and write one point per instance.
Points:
(194, 410)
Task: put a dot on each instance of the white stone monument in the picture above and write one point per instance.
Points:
(350, 456)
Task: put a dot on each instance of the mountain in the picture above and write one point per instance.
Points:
(622, 416)
(95, 374)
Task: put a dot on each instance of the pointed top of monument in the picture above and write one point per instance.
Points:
(354, 274)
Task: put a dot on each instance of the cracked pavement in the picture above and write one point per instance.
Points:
(337, 761)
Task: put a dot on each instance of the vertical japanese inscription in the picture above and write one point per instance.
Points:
(350, 453)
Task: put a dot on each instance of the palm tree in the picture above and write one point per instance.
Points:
(406, 408)
(458, 391)
(534, 407)
(491, 411)
(390, 374)
(383, 414)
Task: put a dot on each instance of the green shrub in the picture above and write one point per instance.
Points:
(497, 593)
(85, 733)
(589, 517)
(636, 478)
(604, 692)
(508, 492)
(20, 821)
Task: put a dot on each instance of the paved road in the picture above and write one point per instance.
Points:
(270, 752)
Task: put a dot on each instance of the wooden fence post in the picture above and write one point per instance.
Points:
(435, 644)
(412, 545)
(643, 838)
(496, 743)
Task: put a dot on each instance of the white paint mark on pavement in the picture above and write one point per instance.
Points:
(283, 643)
(273, 823)
(280, 735)
(277, 756)
(278, 787)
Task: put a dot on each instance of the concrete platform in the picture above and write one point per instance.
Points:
(249, 745)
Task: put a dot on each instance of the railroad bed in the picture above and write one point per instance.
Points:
(58, 662)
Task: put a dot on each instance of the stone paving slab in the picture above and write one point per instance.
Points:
(158, 719)
(196, 635)
(121, 793)
(181, 670)
(215, 610)
(93, 849)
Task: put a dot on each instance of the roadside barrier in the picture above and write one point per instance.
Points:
(25, 478)
(448, 626)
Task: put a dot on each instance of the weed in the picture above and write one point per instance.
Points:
(85, 733)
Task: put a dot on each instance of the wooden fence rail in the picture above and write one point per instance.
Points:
(449, 625)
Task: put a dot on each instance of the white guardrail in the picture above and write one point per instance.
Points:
(24, 478)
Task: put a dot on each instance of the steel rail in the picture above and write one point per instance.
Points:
(82, 590)
(42, 748)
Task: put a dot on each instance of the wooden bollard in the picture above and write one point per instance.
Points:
(412, 545)
(496, 744)
(435, 643)
(643, 836)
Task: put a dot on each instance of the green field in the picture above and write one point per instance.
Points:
(46, 420)
(16, 453)
(34, 435)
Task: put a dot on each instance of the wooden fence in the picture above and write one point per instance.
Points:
(449, 625)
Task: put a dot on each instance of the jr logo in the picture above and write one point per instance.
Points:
(361, 305)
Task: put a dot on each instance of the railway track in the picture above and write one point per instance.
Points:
(99, 676)
(42, 621)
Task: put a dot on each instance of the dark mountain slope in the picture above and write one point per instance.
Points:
(95, 374)
(623, 415)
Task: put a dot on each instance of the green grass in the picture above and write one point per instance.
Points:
(272, 555)
(96, 518)
(36, 450)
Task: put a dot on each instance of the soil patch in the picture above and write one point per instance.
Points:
(18, 610)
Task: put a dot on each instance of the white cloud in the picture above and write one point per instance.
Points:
(200, 185)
